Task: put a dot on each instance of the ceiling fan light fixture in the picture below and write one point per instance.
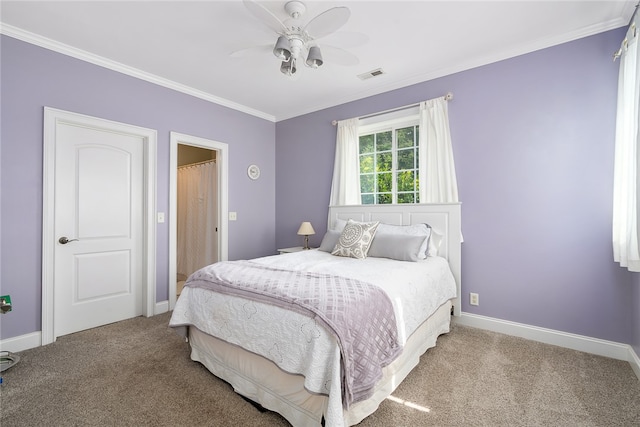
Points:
(296, 37)
(282, 49)
(288, 67)
(314, 59)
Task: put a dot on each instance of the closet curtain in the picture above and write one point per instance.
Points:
(345, 187)
(625, 179)
(197, 217)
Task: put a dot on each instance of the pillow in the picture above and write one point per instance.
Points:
(423, 230)
(401, 247)
(329, 240)
(355, 240)
(434, 243)
(339, 224)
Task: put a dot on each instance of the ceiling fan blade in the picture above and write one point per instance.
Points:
(248, 51)
(338, 56)
(327, 22)
(346, 40)
(264, 15)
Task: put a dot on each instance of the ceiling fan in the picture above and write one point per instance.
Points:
(296, 39)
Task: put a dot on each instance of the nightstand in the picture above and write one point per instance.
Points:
(291, 250)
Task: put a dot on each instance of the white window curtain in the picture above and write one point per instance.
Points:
(625, 181)
(438, 182)
(345, 187)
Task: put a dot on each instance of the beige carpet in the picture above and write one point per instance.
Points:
(138, 373)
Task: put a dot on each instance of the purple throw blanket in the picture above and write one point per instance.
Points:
(360, 315)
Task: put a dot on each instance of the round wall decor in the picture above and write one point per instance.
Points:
(253, 171)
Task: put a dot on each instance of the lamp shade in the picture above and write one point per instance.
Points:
(314, 59)
(306, 229)
(282, 49)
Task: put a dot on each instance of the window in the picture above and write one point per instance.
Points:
(382, 159)
(389, 162)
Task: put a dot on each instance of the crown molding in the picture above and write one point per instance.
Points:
(73, 52)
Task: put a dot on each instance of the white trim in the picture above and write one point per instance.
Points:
(150, 222)
(161, 307)
(52, 117)
(22, 342)
(583, 343)
(395, 119)
(222, 162)
(634, 361)
(83, 55)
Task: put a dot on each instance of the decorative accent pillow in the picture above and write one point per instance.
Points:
(355, 240)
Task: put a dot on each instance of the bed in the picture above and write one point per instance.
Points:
(296, 362)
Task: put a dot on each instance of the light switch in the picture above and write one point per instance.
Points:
(233, 216)
(160, 217)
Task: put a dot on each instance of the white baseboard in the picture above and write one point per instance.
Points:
(34, 339)
(583, 343)
(161, 307)
(634, 361)
(22, 342)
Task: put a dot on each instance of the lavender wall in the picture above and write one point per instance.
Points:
(533, 141)
(31, 78)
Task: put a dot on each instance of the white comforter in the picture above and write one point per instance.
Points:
(295, 342)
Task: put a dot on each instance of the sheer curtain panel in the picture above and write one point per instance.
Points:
(625, 181)
(345, 187)
(438, 182)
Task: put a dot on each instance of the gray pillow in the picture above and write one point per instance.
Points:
(423, 230)
(401, 247)
(329, 240)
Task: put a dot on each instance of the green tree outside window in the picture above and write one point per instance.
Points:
(389, 170)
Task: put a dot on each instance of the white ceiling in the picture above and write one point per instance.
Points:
(187, 45)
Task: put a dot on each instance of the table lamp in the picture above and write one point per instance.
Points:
(305, 230)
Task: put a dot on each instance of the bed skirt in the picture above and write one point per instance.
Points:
(261, 381)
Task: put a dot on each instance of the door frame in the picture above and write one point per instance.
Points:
(53, 117)
(222, 168)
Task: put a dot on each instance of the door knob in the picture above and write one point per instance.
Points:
(64, 240)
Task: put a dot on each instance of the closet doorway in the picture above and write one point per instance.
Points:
(198, 218)
(197, 244)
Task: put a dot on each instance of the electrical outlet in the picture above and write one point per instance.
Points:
(474, 299)
(5, 304)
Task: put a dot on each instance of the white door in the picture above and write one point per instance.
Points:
(98, 226)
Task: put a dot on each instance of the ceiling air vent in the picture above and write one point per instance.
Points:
(371, 74)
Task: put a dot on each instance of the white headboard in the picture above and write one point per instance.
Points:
(443, 217)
